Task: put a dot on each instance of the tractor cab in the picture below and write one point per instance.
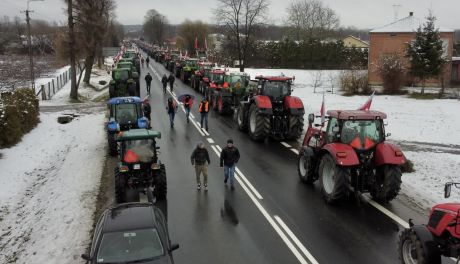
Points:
(216, 78)
(275, 87)
(236, 82)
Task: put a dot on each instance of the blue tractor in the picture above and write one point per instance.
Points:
(125, 114)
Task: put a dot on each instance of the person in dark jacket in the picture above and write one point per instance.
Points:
(171, 108)
(228, 159)
(171, 80)
(199, 158)
(164, 81)
(148, 81)
(147, 61)
(147, 110)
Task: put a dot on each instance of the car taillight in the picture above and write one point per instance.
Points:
(341, 154)
(398, 153)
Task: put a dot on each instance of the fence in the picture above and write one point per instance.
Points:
(47, 90)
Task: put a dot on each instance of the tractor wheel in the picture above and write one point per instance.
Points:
(295, 127)
(306, 169)
(259, 125)
(333, 179)
(388, 183)
(132, 196)
(411, 250)
(113, 151)
(160, 184)
(242, 122)
(120, 188)
(112, 91)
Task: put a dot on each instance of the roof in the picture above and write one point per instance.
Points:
(408, 24)
(455, 58)
(129, 217)
(138, 134)
(274, 78)
(124, 100)
(364, 43)
(356, 114)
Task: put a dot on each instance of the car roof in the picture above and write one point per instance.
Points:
(357, 114)
(129, 217)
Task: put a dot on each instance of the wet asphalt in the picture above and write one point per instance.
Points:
(224, 226)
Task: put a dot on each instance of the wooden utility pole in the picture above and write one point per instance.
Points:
(29, 43)
(73, 72)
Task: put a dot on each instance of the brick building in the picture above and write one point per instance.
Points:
(395, 37)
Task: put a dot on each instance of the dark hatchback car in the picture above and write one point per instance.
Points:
(131, 233)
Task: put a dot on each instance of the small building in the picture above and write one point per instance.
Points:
(395, 38)
(455, 70)
(354, 42)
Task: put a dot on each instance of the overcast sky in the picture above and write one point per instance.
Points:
(358, 13)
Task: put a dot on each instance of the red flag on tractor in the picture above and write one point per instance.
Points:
(323, 112)
(367, 105)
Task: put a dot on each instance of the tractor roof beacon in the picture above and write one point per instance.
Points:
(269, 109)
(425, 244)
(351, 153)
(124, 113)
(139, 168)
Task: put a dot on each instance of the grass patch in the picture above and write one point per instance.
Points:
(426, 96)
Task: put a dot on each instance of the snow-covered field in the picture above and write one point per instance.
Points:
(431, 123)
(48, 188)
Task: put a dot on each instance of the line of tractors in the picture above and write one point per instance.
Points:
(346, 152)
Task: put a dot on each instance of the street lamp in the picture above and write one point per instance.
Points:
(29, 42)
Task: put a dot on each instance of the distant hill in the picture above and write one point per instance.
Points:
(132, 28)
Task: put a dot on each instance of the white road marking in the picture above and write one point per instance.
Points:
(192, 115)
(295, 151)
(387, 212)
(285, 144)
(198, 128)
(219, 148)
(253, 189)
(210, 140)
(215, 150)
(296, 240)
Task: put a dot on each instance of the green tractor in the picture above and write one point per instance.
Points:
(133, 57)
(122, 83)
(227, 97)
(190, 66)
(139, 170)
(133, 73)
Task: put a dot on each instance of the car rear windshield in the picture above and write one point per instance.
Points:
(126, 246)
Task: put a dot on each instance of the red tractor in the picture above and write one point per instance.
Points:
(214, 81)
(351, 154)
(269, 110)
(204, 69)
(425, 244)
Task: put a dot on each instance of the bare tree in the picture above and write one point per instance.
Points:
(332, 79)
(311, 19)
(240, 17)
(154, 26)
(189, 31)
(316, 79)
(72, 57)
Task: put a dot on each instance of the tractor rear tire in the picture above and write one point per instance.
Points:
(410, 249)
(120, 187)
(242, 122)
(295, 127)
(113, 151)
(160, 184)
(259, 124)
(388, 183)
(333, 179)
(306, 169)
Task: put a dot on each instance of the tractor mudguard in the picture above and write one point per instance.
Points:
(142, 122)
(426, 237)
(343, 154)
(294, 104)
(386, 153)
(264, 104)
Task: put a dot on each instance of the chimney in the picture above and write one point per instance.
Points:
(411, 13)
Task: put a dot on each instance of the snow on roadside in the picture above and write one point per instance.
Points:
(48, 189)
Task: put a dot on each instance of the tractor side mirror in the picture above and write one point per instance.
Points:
(447, 189)
(311, 118)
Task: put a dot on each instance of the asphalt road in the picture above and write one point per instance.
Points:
(271, 217)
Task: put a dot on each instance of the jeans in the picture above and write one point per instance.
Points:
(171, 86)
(229, 173)
(164, 87)
(204, 117)
(201, 169)
(148, 87)
(171, 118)
(187, 113)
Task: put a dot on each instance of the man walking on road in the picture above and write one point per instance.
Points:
(188, 102)
(199, 158)
(204, 110)
(228, 159)
(171, 82)
(148, 81)
(164, 81)
(171, 107)
(147, 60)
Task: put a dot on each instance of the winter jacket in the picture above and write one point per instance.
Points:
(171, 79)
(188, 102)
(148, 78)
(164, 80)
(204, 107)
(200, 156)
(229, 156)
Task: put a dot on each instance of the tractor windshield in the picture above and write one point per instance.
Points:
(362, 134)
(217, 78)
(238, 80)
(120, 75)
(276, 90)
(126, 113)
